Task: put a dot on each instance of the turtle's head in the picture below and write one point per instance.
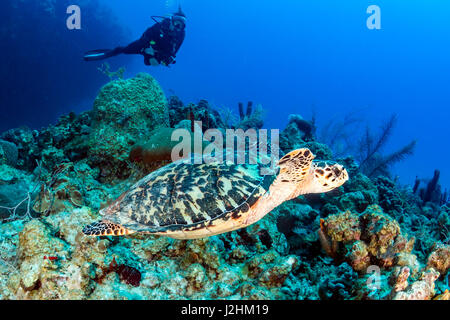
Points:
(299, 174)
(326, 176)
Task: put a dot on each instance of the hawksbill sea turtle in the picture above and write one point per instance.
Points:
(187, 201)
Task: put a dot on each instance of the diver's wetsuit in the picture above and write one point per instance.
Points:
(159, 45)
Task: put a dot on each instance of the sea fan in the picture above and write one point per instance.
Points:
(337, 134)
(371, 162)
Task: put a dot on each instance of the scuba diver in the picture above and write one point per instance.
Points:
(159, 43)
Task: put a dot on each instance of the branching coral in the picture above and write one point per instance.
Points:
(372, 162)
(105, 68)
(10, 262)
(13, 211)
(338, 134)
(56, 190)
(24, 208)
(229, 118)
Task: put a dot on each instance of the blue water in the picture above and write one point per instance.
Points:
(290, 55)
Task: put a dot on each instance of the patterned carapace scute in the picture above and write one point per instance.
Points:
(185, 195)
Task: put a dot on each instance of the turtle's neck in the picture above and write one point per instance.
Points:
(278, 192)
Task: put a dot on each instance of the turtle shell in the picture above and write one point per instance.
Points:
(183, 196)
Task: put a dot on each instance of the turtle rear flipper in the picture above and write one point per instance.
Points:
(105, 228)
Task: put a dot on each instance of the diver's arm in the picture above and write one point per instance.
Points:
(168, 56)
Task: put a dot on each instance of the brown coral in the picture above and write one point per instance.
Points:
(439, 259)
(277, 274)
(383, 236)
(399, 279)
(358, 256)
(443, 296)
(372, 238)
(256, 264)
(420, 290)
(406, 259)
(127, 274)
(380, 230)
(342, 227)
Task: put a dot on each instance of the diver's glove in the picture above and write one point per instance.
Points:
(168, 61)
(171, 60)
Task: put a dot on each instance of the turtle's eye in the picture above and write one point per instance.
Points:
(337, 171)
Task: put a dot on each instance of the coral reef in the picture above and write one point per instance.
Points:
(252, 118)
(15, 192)
(299, 134)
(124, 113)
(372, 237)
(306, 127)
(8, 153)
(432, 192)
(439, 259)
(369, 239)
(157, 150)
(422, 289)
(340, 286)
(57, 262)
(202, 111)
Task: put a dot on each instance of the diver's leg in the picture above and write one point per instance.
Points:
(101, 54)
(133, 48)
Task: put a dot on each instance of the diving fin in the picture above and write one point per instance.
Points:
(99, 54)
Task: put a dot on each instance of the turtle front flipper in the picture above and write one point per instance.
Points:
(295, 166)
(295, 174)
(298, 172)
(105, 228)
